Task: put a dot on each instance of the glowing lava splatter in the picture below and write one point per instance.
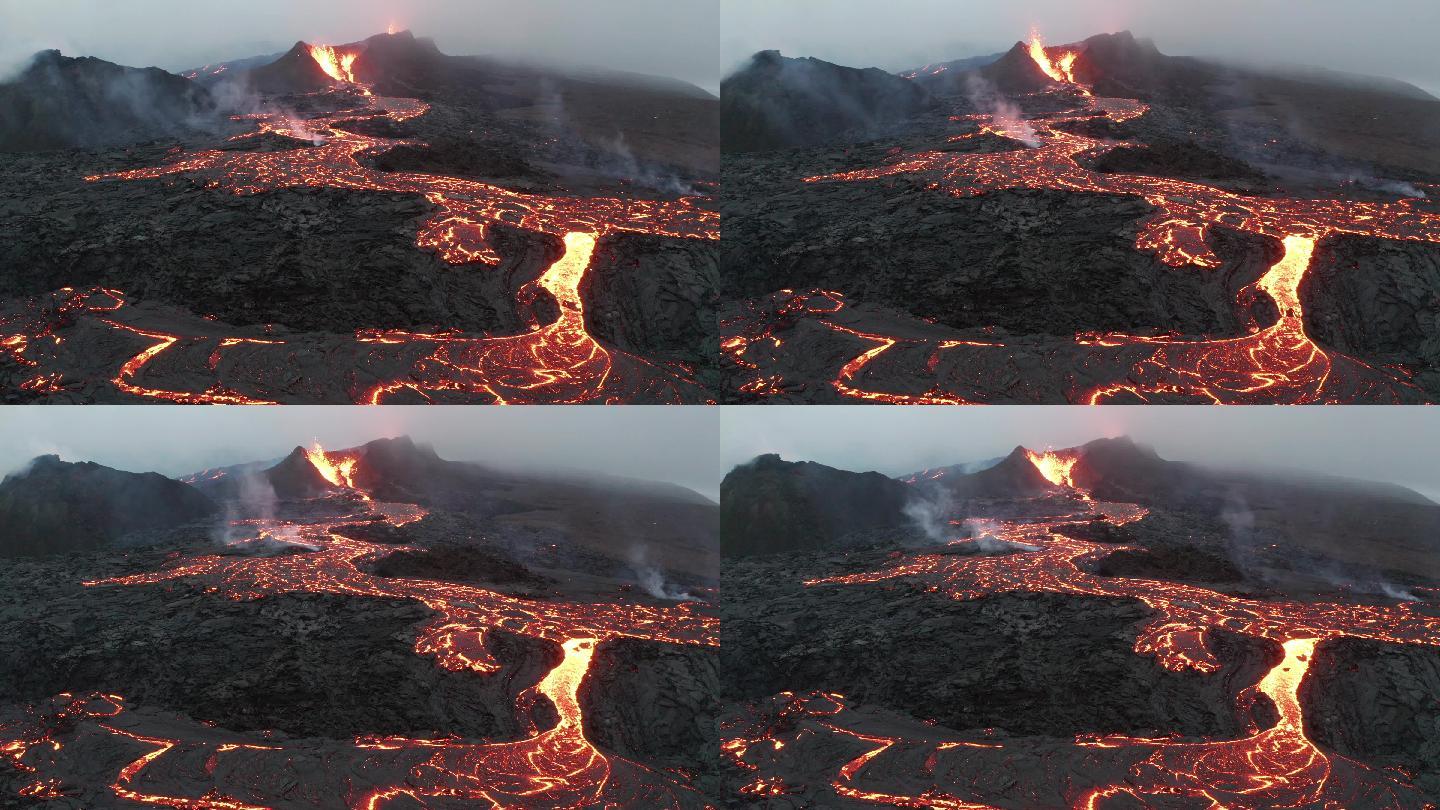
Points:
(555, 362)
(555, 767)
(1277, 363)
(1272, 767)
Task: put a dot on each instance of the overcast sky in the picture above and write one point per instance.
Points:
(1395, 38)
(658, 443)
(660, 37)
(1379, 443)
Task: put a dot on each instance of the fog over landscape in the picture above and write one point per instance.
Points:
(652, 443)
(1392, 38)
(646, 36)
(1395, 445)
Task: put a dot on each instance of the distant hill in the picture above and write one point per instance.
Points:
(55, 507)
(771, 505)
(775, 102)
(60, 102)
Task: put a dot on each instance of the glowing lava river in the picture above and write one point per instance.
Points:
(556, 361)
(204, 767)
(777, 741)
(916, 362)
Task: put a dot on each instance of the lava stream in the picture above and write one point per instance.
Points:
(1278, 363)
(554, 768)
(1278, 766)
(559, 362)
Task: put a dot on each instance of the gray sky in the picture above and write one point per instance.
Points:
(657, 443)
(660, 37)
(1395, 38)
(1379, 443)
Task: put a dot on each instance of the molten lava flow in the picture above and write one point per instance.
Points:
(556, 767)
(1062, 69)
(1054, 466)
(1275, 363)
(337, 471)
(556, 362)
(1278, 766)
(336, 64)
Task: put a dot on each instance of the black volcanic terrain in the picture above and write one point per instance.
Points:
(361, 223)
(1090, 223)
(346, 628)
(1096, 627)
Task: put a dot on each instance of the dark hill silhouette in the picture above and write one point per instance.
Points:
(55, 507)
(771, 505)
(777, 103)
(60, 102)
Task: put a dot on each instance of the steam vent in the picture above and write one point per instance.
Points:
(729, 215)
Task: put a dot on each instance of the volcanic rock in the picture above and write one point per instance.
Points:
(1376, 702)
(60, 102)
(656, 703)
(770, 505)
(458, 564)
(775, 102)
(1033, 663)
(54, 507)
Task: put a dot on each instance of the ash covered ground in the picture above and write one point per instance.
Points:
(1094, 627)
(1114, 233)
(369, 627)
(391, 229)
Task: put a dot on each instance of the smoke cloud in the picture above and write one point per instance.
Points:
(987, 98)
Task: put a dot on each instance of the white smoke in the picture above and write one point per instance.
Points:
(930, 508)
(255, 501)
(652, 580)
(1005, 114)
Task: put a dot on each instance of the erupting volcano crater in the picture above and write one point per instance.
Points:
(1095, 223)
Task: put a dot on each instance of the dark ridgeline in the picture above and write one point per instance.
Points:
(60, 102)
(56, 507)
(776, 102)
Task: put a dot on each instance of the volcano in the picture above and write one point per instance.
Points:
(546, 235)
(1123, 643)
(297, 71)
(1016, 72)
(523, 663)
(1234, 258)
